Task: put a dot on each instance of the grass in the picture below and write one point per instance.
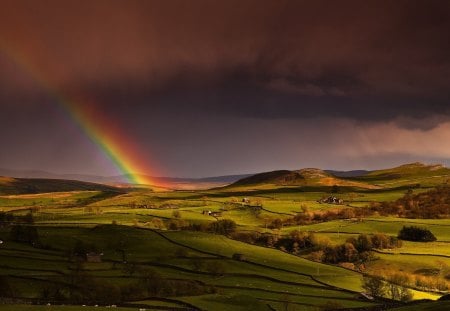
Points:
(267, 277)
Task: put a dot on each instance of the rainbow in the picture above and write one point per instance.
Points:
(103, 131)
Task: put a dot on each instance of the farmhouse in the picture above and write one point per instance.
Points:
(331, 200)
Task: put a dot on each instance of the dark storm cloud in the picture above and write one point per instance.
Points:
(369, 60)
(216, 87)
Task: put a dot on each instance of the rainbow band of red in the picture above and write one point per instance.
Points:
(119, 148)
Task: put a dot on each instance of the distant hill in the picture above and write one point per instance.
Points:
(405, 175)
(10, 185)
(302, 177)
(171, 182)
(408, 174)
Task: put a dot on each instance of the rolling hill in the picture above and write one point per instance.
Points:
(302, 177)
(10, 185)
(170, 238)
(401, 176)
(407, 175)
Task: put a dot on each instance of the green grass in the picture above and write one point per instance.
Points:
(269, 277)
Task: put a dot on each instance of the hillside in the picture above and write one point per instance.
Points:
(215, 250)
(302, 177)
(10, 185)
(408, 175)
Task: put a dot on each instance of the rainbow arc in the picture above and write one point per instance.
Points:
(120, 148)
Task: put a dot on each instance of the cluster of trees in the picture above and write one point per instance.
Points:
(434, 203)
(358, 249)
(377, 287)
(416, 234)
(354, 250)
(222, 226)
(393, 284)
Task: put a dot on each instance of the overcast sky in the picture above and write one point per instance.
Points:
(222, 87)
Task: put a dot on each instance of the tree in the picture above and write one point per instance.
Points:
(363, 243)
(223, 226)
(374, 286)
(277, 223)
(350, 252)
(157, 223)
(397, 292)
(416, 234)
(380, 240)
(176, 214)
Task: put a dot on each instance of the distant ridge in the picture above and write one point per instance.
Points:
(408, 173)
(403, 175)
(302, 177)
(123, 179)
(11, 186)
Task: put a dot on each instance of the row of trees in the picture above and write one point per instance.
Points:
(222, 226)
(357, 250)
(354, 250)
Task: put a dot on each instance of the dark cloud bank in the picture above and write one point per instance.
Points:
(213, 76)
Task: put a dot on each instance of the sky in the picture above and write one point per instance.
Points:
(207, 88)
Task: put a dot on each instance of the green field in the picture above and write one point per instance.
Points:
(146, 235)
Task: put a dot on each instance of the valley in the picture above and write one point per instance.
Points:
(272, 241)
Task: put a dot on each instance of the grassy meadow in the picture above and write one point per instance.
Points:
(156, 249)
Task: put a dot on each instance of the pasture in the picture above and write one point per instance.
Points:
(143, 235)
